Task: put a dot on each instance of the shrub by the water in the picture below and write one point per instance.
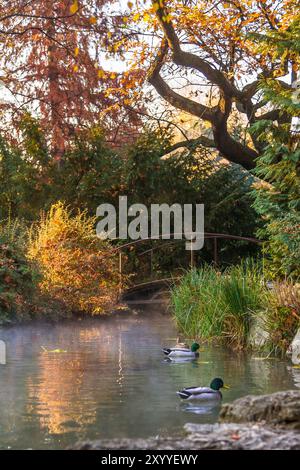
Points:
(77, 267)
(282, 315)
(18, 276)
(209, 304)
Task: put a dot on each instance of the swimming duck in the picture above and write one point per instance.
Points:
(182, 352)
(203, 393)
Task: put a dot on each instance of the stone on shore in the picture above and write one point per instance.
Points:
(207, 437)
(294, 349)
(265, 422)
(258, 336)
(277, 409)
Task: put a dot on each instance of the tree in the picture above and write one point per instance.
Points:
(52, 62)
(207, 45)
(278, 202)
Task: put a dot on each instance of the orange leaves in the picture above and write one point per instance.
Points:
(102, 74)
(66, 60)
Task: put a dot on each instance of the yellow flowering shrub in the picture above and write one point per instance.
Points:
(77, 267)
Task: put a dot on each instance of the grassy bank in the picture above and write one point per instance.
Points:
(55, 268)
(208, 304)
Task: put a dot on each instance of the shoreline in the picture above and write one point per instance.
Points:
(253, 422)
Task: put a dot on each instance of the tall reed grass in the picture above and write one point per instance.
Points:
(208, 304)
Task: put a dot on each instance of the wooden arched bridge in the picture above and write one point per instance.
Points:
(154, 284)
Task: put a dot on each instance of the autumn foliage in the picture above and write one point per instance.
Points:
(52, 56)
(77, 267)
(200, 57)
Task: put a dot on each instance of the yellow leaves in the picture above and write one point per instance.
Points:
(146, 17)
(75, 68)
(136, 17)
(74, 7)
(72, 261)
(127, 101)
(155, 6)
(167, 18)
(284, 56)
(76, 51)
(101, 73)
(130, 5)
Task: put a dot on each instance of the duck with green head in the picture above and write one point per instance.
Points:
(182, 352)
(211, 393)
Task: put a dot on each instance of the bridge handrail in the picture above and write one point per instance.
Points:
(206, 235)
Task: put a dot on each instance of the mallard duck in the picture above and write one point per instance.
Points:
(203, 393)
(182, 352)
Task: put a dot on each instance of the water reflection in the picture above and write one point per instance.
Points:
(178, 360)
(209, 411)
(113, 381)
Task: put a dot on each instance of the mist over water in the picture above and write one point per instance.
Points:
(110, 379)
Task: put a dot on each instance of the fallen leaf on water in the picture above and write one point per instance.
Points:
(57, 351)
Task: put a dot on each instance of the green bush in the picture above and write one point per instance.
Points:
(18, 276)
(209, 304)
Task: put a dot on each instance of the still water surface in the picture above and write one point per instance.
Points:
(113, 381)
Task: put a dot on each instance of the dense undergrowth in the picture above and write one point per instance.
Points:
(55, 268)
(18, 279)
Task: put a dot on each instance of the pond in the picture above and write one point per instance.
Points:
(110, 379)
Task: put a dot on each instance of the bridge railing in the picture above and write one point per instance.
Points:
(165, 238)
